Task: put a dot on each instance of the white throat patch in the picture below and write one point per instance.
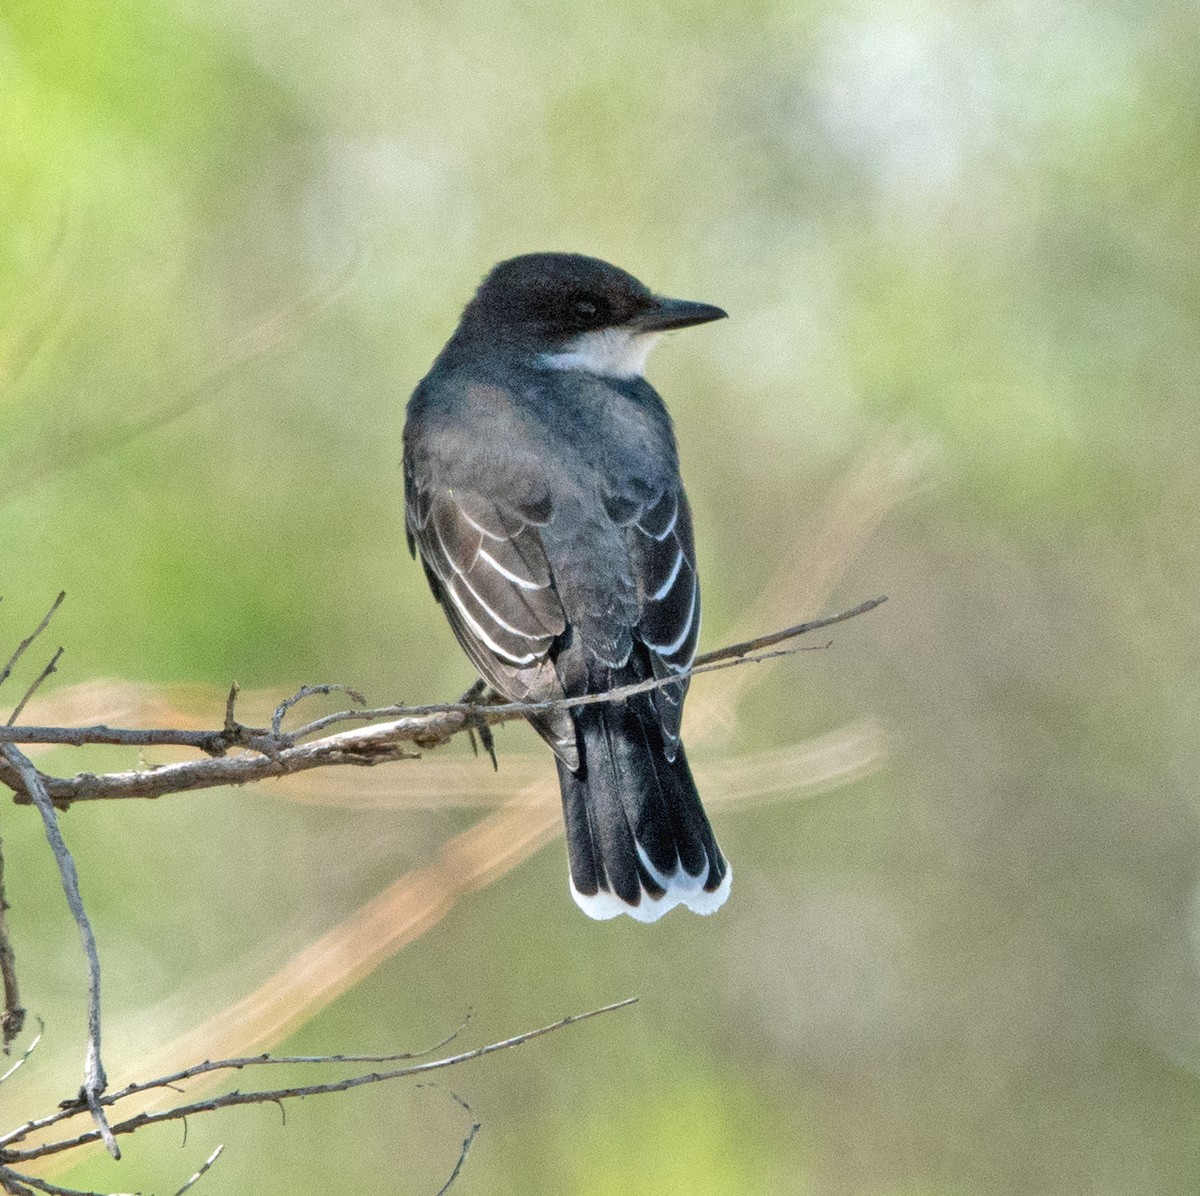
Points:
(612, 353)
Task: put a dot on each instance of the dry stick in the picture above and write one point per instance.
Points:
(33, 1046)
(706, 662)
(94, 1081)
(10, 1182)
(235, 735)
(175, 1078)
(737, 651)
(50, 668)
(24, 644)
(274, 1096)
(212, 1158)
(733, 651)
(15, 1181)
(426, 726)
(309, 691)
(13, 1019)
(466, 1146)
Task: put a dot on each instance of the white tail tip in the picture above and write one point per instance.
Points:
(681, 888)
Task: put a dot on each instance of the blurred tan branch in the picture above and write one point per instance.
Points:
(42, 309)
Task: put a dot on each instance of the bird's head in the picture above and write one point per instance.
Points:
(576, 312)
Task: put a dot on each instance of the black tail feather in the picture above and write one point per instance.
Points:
(638, 839)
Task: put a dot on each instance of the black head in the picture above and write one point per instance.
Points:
(554, 297)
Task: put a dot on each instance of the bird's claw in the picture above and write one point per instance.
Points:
(480, 694)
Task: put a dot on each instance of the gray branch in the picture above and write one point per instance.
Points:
(94, 1081)
(12, 1020)
(11, 1152)
(24, 644)
(273, 755)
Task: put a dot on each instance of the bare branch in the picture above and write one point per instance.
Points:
(424, 726)
(737, 651)
(270, 752)
(13, 1019)
(230, 1099)
(33, 1046)
(466, 1146)
(24, 644)
(213, 743)
(15, 1182)
(94, 1081)
(230, 722)
(212, 1158)
(174, 1079)
(10, 1182)
(497, 712)
(308, 691)
(50, 668)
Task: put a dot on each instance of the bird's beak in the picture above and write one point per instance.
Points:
(675, 313)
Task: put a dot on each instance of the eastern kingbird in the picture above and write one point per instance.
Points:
(542, 491)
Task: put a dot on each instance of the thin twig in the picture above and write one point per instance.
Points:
(174, 1079)
(29, 1050)
(425, 726)
(17, 1180)
(777, 637)
(212, 1158)
(706, 662)
(37, 1038)
(231, 1099)
(466, 1146)
(24, 644)
(10, 1182)
(50, 668)
(94, 1081)
(308, 691)
(13, 1019)
(231, 723)
(213, 743)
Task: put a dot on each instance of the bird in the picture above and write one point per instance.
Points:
(544, 500)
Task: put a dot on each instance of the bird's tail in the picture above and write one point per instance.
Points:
(638, 839)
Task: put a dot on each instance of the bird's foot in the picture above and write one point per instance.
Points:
(481, 694)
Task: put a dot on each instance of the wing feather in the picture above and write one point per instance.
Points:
(488, 569)
(664, 554)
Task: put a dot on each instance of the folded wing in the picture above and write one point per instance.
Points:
(659, 534)
(487, 567)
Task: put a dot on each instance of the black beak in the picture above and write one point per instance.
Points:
(675, 313)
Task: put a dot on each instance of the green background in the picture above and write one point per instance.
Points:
(235, 235)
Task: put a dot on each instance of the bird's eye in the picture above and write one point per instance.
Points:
(585, 309)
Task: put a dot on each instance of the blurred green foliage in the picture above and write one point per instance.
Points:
(235, 236)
